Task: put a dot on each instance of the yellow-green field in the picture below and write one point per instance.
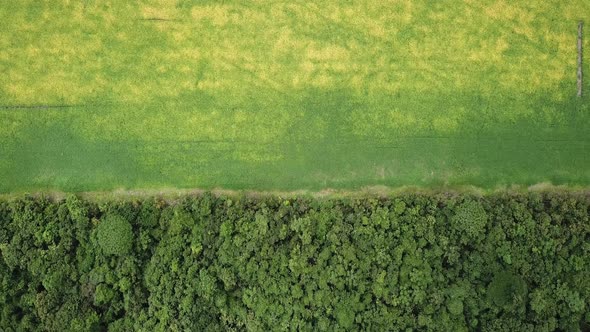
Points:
(96, 95)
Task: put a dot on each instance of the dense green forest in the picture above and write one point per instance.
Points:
(438, 261)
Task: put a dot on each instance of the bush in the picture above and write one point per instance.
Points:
(507, 290)
(115, 236)
(470, 220)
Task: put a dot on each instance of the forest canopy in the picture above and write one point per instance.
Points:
(440, 262)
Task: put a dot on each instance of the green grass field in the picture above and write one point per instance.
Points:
(97, 95)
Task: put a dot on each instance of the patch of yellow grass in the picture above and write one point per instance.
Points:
(165, 9)
(287, 43)
(218, 15)
(447, 123)
(322, 81)
(324, 53)
(402, 121)
(376, 29)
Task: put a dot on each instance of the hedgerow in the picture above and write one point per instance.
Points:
(440, 262)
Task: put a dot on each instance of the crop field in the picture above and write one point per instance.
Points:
(98, 95)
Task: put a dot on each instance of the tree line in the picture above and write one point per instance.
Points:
(438, 262)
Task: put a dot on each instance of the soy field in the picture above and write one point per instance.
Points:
(287, 95)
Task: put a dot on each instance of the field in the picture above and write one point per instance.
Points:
(98, 95)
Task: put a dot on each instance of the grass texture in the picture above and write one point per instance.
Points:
(97, 95)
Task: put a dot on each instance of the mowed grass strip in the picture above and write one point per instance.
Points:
(290, 95)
